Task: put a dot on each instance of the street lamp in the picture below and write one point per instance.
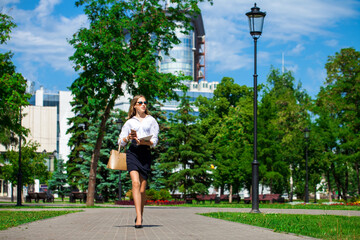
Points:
(19, 177)
(48, 161)
(256, 21)
(52, 162)
(119, 122)
(306, 135)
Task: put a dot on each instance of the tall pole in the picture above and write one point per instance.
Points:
(119, 122)
(255, 163)
(307, 174)
(19, 176)
(120, 185)
(256, 21)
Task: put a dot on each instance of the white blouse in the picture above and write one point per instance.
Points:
(147, 127)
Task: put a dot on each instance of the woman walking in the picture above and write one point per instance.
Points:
(141, 130)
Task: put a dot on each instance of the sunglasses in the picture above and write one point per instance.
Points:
(141, 103)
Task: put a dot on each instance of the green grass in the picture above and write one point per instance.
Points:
(66, 204)
(317, 226)
(13, 206)
(275, 205)
(10, 219)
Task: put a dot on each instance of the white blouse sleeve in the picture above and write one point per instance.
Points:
(154, 131)
(125, 131)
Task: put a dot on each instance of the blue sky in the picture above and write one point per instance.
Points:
(306, 32)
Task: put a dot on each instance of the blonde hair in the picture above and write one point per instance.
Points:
(132, 111)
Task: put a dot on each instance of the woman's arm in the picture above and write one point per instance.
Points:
(125, 133)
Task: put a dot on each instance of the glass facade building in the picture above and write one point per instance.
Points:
(183, 56)
(188, 58)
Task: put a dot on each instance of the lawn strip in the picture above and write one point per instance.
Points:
(10, 219)
(317, 226)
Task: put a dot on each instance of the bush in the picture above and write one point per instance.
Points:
(129, 195)
(152, 194)
(355, 199)
(164, 194)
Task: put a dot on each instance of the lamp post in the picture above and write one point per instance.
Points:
(306, 135)
(19, 177)
(52, 163)
(256, 21)
(119, 122)
(48, 160)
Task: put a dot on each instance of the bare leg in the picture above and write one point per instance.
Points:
(143, 194)
(135, 179)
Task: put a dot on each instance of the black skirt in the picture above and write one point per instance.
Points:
(138, 158)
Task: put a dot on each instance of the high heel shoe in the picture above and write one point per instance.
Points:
(139, 226)
(141, 220)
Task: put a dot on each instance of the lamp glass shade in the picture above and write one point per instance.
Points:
(306, 133)
(256, 21)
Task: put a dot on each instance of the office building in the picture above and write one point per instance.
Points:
(189, 58)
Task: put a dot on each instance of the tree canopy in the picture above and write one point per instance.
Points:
(118, 53)
(13, 89)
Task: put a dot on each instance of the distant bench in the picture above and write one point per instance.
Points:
(267, 198)
(203, 198)
(77, 195)
(45, 196)
(176, 196)
(225, 198)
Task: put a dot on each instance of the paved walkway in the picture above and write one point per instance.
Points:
(159, 223)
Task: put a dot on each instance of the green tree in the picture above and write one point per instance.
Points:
(107, 180)
(234, 143)
(78, 130)
(32, 165)
(118, 52)
(158, 175)
(219, 120)
(283, 115)
(187, 157)
(59, 179)
(338, 106)
(13, 90)
(157, 181)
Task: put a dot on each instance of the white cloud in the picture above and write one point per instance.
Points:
(40, 39)
(297, 49)
(227, 32)
(292, 68)
(45, 7)
(332, 43)
(316, 79)
(5, 2)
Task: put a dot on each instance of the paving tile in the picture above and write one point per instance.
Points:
(160, 223)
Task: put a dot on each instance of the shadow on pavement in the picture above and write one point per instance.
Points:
(144, 226)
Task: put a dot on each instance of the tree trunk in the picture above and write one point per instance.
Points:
(329, 186)
(337, 180)
(346, 184)
(222, 190)
(230, 194)
(357, 176)
(291, 188)
(96, 154)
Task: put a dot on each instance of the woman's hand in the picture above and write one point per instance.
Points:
(144, 142)
(132, 135)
